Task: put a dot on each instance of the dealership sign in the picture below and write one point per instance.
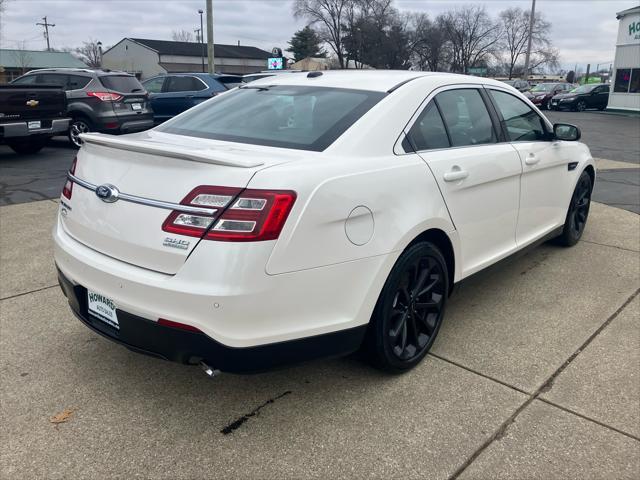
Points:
(634, 30)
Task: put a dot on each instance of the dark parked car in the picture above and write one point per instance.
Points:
(585, 96)
(541, 94)
(98, 100)
(520, 85)
(174, 93)
(29, 115)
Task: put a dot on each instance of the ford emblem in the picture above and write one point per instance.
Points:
(107, 193)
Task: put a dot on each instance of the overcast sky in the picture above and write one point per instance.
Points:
(583, 30)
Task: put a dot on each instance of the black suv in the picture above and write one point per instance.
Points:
(98, 100)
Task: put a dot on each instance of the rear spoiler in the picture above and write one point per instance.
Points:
(216, 157)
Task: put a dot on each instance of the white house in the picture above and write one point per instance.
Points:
(625, 91)
(146, 58)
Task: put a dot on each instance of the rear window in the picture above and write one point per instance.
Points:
(305, 118)
(230, 82)
(121, 83)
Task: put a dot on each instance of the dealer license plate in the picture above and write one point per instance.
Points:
(33, 125)
(103, 308)
(136, 106)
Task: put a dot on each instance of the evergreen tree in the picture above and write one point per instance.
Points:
(306, 43)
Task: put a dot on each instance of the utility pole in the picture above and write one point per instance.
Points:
(211, 55)
(201, 40)
(46, 26)
(531, 23)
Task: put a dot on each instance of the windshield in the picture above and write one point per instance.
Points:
(583, 89)
(122, 83)
(543, 87)
(306, 118)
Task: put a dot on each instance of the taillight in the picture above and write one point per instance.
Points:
(238, 215)
(105, 96)
(67, 190)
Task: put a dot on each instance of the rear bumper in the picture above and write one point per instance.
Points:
(150, 338)
(21, 129)
(223, 290)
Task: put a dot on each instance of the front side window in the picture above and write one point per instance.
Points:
(429, 132)
(466, 117)
(153, 85)
(306, 118)
(26, 80)
(623, 78)
(520, 121)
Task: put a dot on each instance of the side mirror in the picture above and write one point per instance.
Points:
(567, 132)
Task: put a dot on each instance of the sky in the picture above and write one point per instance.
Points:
(583, 30)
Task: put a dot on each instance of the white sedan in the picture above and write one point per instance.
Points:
(312, 214)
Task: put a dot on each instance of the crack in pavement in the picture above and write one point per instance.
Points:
(545, 387)
(27, 293)
(611, 246)
(256, 411)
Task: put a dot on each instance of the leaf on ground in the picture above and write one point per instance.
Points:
(62, 417)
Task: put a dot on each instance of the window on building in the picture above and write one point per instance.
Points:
(634, 84)
(623, 77)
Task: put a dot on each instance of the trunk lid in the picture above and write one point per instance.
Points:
(160, 167)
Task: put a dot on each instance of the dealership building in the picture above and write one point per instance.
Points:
(146, 58)
(625, 91)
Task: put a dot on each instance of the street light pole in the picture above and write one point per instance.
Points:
(531, 23)
(201, 40)
(211, 55)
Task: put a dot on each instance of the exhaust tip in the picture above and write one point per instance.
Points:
(209, 371)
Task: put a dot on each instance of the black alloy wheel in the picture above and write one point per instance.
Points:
(578, 212)
(78, 126)
(410, 309)
(581, 106)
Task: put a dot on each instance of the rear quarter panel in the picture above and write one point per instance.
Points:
(400, 192)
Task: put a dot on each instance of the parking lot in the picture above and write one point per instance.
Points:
(534, 374)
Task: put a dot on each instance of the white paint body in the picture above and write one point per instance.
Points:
(360, 203)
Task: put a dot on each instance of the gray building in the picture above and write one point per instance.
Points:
(625, 89)
(146, 58)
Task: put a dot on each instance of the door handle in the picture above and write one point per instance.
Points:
(531, 159)
(455, 174)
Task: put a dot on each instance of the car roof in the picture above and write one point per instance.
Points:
(89, 71)
(374, 80)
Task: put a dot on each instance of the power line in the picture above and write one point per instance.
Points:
(46, 26)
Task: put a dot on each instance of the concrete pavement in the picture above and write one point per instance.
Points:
(536, 374)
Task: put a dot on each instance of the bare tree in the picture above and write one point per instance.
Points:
(429, 42)
(181, 36)
(515, 28)
(89, 53)
(473, 36)
(330, 16)
(22, 57)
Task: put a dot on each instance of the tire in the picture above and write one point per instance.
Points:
(602, 107)
(26, 147)
(547, 105)
(578, 212)
(409, 311)
(581, 106)
(79, 125)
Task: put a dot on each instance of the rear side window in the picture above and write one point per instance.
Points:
(121, 83)
(183, 84)
(76, 82)
(466, 117)
(299, 117)
(520, 121)
(429, 132)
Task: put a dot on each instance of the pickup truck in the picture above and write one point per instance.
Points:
(29, 115)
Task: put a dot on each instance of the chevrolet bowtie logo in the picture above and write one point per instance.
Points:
(32, 103)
